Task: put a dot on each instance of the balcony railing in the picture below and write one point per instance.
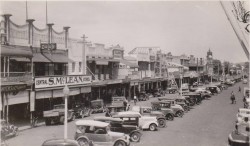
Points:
(16, 77)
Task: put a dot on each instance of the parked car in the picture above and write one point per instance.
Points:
(244, 81)
(89, 132)
(176, 100)
(143, 96)
(172, 89)
(56, 115)
(8, 130)
(204, 93)
(194, 98)
(114, 109)
(116, 125)
(60, 142)
(178, 111)
(240, 136)
(213, 89)
(147, 111)
(97, 106)
(81, 111)
(157, 92)
(135, 118)
(243, 115)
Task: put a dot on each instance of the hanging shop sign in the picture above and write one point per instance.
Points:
(118, 54)
(46, 46)
(48, 82)
(152, 58)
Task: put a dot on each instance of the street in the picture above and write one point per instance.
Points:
(207, 124)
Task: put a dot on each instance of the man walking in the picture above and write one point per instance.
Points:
(135, 99)
(239, 89)
(233, 98)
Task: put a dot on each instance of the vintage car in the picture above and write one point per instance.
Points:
(244, 81)
(90, 132)
(243, 115)
(247, 103)
(240, 136)
(157, 92)
(60, 142)
(204, 93)
(178, 111)
(116, 125)
(194, 97)
(172, 89)
(147, 111)
(213, 89)
(97, 106)
(56, 115)
(114, 109)
(176, 100)
(143, 96)
(8, 130)
(81, 111)
(135, 118)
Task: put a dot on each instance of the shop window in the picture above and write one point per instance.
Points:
(73, 66)
(80, 66)
(59, 69)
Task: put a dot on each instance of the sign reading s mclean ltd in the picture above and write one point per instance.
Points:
(48, 82)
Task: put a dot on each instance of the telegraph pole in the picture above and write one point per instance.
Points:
(83, 55)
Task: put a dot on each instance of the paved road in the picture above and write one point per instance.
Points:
(207, 124)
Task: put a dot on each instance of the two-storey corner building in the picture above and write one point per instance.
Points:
(41, 54)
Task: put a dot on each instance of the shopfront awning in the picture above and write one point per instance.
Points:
(17, 51)
(38, 57)
(130, 64)
(58, 57)
(99, 61)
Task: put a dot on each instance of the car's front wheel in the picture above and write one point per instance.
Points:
(120, 143)
(152, 127)
(179, 113)
(83, 142)
(170, 117)
(162, 123)
(135, 137)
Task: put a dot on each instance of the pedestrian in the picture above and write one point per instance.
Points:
(233, 98)
(239, 89)
(128, 107)
(108, 114)
(125, 103)
(135, 99)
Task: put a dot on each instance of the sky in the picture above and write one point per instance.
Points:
(187, 27)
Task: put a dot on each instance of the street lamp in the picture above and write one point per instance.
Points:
(181, 84)
(66, 94)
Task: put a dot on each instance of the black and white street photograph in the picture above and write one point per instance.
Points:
(124, 73)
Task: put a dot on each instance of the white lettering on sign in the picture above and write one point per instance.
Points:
(48, 82)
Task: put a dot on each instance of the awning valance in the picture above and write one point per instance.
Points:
(20, 59)
(58, 57)
(38, 57)
(18, 51)
(130, 64)
(101, 62)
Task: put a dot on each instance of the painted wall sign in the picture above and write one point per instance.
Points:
(48, 82)
(13, 88)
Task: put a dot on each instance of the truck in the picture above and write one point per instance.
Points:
(56, 115)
